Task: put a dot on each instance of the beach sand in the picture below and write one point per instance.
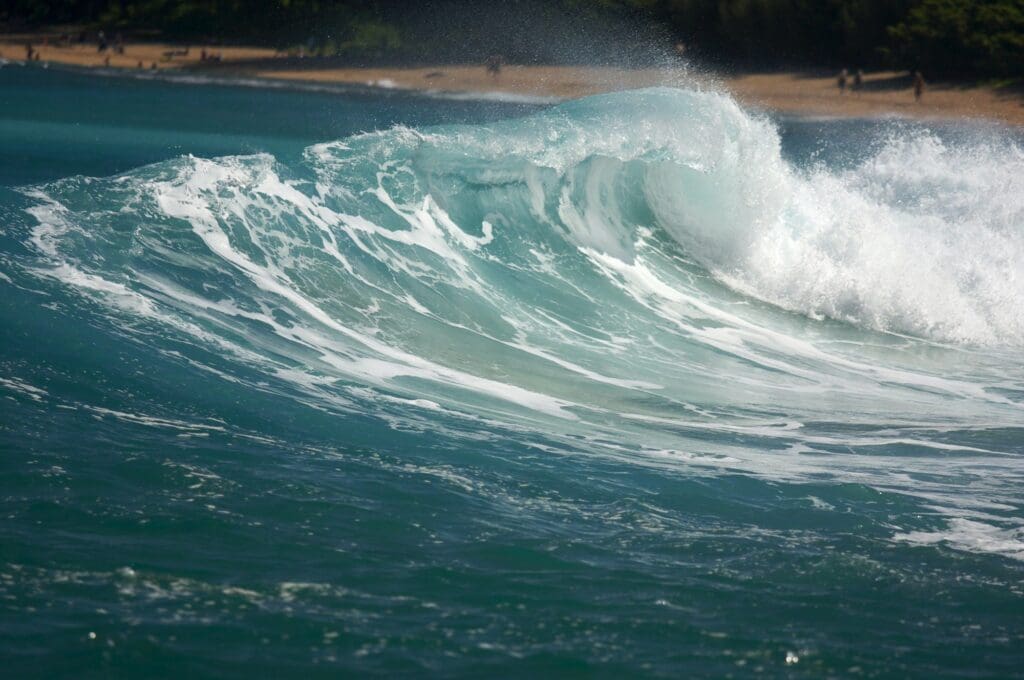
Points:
(884, 93)
(87, 55)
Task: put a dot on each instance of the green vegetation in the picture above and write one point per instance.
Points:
(964, 36)
(979, 38)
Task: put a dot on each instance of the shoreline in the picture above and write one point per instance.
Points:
(788, 92)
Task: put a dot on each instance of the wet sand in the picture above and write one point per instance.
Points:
(556, 82)
(884, 93)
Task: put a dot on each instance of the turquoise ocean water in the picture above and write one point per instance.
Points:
(326, 384)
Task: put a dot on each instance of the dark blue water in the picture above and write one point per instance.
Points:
(642, 385)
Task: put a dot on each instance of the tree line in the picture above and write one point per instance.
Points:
(943, 37)
(960, 38)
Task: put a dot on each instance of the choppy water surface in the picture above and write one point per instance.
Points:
(642, 384)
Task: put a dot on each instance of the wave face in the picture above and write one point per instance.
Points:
(563, 262)
(639, 278)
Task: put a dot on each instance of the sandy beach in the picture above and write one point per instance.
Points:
(158, 55)
(884, 93)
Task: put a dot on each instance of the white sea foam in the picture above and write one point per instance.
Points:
(972, 536)
(924, 238)
(21, 387)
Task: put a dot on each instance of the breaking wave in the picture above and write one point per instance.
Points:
(629, 268)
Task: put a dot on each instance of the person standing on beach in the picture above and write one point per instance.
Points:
(918, 86)
(843, 76)
(493, 64)
(858, 81)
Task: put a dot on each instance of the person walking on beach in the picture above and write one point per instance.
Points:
(858, 81)
(493, 64)
(918, 86)
(843, 76)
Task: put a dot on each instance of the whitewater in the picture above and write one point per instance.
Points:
(616, 386)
